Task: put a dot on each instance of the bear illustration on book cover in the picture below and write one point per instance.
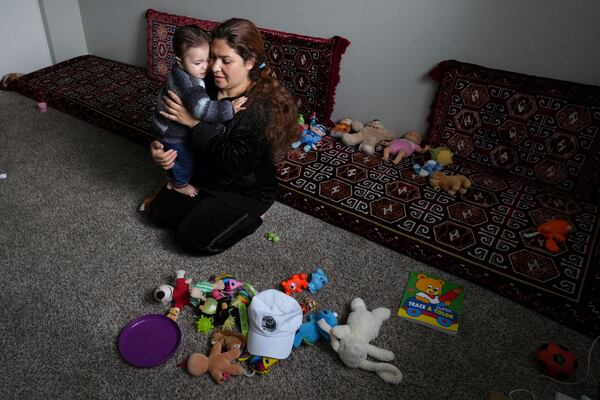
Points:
(432, 302)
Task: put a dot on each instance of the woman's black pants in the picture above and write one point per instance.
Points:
(204, 224)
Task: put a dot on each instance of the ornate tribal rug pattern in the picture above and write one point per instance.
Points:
(530, 146)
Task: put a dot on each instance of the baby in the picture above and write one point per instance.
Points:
(404, 147)
(191, 48)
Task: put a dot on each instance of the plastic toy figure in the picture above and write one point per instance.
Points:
(295, 284)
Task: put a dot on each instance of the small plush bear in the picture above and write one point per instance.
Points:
(450, 184)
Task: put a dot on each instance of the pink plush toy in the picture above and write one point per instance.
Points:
(405, 147)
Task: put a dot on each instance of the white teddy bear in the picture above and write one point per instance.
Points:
(351, 341)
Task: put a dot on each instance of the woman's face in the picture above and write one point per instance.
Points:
(230, 71)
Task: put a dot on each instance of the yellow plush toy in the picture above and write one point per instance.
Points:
(450, 184)
(442, 155)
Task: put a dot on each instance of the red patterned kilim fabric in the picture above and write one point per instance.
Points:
(115, 96)
(535, 128)
(527, 145)
(307, 66)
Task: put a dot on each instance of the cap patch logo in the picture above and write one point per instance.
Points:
(269, 324)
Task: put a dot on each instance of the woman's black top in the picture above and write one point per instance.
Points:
(233, 161)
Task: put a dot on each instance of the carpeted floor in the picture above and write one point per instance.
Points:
(78, 261)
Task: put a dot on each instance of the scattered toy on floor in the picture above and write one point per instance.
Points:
(310, 333)
(179, 295)
(309, 305)
(295, 284)
(451, 184)
(557, 361)
(258, 364)
(200, 290)
(43, 106)
(318, 279)
(230, 340)
(217, 364)
(272, 237)
(351, 341)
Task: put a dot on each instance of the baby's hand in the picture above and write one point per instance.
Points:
(238, 103)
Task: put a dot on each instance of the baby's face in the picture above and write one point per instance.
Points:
(195, 61)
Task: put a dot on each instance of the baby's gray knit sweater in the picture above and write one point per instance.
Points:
(192, 92)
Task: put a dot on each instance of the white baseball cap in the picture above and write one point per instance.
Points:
(274, 317)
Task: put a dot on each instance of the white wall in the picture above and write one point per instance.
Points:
(394, 42)
(23, 42)
(64, 29)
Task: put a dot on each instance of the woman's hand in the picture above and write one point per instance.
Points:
(164, 159)
(177, 112)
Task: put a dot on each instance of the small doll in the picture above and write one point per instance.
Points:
(404, 147)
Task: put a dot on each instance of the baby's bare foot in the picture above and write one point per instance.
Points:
(169, 185)
(188, 190)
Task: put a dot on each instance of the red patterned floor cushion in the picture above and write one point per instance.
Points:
(481, 236)
(115, 96)
(535, 128)
(307, 66)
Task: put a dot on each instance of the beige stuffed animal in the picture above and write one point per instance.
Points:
(371, 134)
(344, 126)
(351, 341)
(217, 364)
(450, 184)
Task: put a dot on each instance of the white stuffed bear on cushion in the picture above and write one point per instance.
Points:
(351, 341)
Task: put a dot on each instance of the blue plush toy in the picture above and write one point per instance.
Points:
(311, 134)
(318, 279)
(428, 168)
(310, 332)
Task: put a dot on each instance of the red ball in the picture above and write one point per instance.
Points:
(557, 361)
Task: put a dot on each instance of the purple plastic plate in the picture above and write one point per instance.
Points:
(149, 340)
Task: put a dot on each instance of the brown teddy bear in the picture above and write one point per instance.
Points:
(450, 184)
(371, 134)
(217, 364)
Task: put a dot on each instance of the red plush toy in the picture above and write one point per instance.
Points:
(181, 294)
(295, 284)
(557, 361)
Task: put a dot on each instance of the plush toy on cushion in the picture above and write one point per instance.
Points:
(351, 341)
(440, 157)
(311, 134)
(404, 147)
(451, 184)
(346, 125)
(373, 133)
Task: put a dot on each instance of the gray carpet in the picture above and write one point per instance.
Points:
(78, 261)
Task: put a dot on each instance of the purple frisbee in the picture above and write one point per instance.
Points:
(149, 340)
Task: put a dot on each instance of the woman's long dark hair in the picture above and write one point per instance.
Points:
(267, 98)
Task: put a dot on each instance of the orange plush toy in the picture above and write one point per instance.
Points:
(295, 284)
(554, 231)
(217, 364)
